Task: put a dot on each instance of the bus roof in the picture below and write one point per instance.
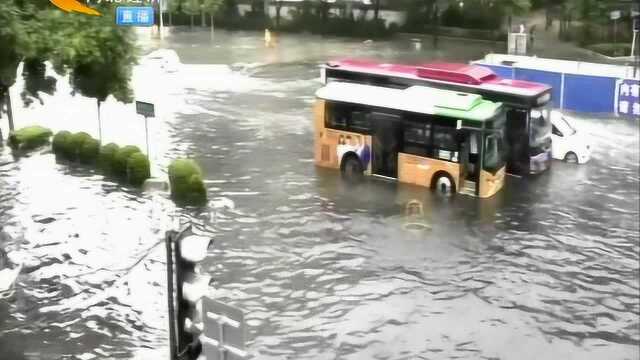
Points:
(474, 76)
(417, 99)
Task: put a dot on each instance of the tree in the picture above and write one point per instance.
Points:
(213, 7)
(191, 8)
(97, 54)
(172, 6)
(513, 7)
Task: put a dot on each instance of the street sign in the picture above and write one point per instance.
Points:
(615, 15)
(224, 331)
(134, 16)
(145, 109)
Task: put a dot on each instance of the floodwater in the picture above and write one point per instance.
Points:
(546, 269)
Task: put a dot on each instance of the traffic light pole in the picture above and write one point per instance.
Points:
(169, 240)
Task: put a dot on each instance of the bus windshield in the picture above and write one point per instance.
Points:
(540, 130)
(493, 153)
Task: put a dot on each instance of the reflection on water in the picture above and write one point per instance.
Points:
(547, 268)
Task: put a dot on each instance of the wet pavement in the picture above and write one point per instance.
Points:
(548, 268)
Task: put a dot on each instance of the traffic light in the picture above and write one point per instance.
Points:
(186, 288)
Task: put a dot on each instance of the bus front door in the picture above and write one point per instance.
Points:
(470, 163)
(386, 138)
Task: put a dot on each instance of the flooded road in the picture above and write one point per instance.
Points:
(548, 268)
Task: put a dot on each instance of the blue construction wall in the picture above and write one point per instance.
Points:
(502, 71)
(552, 79)
(582, 93)
(593, 94)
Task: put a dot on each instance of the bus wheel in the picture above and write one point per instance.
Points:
(352, 169)
(571, 158)
(443, 184)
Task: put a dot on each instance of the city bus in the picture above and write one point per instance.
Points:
(449, 141)
(527, 104)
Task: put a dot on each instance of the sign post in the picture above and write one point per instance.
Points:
(147, 110)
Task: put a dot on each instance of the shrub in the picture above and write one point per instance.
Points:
(59, 141)
(138, 169)
(119, 163)
(612, 50)
(88, 152)
(106, 156)
(185, 178)
(29, 137)
(72, 146)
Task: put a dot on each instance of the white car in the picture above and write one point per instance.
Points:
(567, 142)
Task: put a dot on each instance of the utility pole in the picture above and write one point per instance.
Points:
(160, 30)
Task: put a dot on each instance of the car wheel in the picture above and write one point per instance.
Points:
(443, 184)
(571, 158)
(352, 169)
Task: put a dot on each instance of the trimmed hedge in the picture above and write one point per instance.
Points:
(138, 169)
(59, 141)
(89, 151)
(185, 178)
(119, 163)
(72, 146)
(106, 155)
(29, 138)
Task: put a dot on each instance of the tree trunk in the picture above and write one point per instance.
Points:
(99, 122)
(278, 8)
(212, 30)
(191, 22)
(170, 19)
(203, 21)
(376, 10)
(9, 108)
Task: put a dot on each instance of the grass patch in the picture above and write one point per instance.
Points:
(29, 138)
(187, 186)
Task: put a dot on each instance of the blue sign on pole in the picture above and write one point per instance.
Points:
(134, 16)
(628, 97)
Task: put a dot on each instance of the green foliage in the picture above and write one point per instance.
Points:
(106, 157)
(119, 164)
(29, 137)
(59, 141)
(474, 15)
(138, 169)
(185, 178)
(212, 7)
(72, 146)
(98, 54)
(89, 151)
(191, 7)
(612, 50)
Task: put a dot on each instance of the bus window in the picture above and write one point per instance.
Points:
(445, 145)
(348, 117)
(360, 121)
(416, 138)
(337, 117)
